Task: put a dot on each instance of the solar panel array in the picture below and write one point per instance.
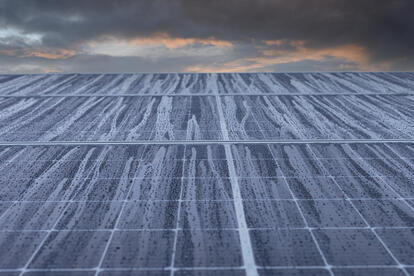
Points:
(207, 174)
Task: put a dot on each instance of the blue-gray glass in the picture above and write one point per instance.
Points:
(207, 174)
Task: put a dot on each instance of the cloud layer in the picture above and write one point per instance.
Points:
(201, 36)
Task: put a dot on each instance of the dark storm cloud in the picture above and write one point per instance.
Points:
(385, 28)
(94, 63)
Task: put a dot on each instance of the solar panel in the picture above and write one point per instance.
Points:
(207, 174)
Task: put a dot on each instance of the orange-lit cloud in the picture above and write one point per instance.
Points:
(8, 52)
(351, 53)
(46, 53)
(238, 65)
(51, 70)
(49, 54)
(160, 45)
(280, 42)
(176, 42)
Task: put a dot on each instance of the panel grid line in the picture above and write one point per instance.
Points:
(213, 200)
(201, 268)
(207, 142)
(177, 228)
(177, 223)
(207, 229)
(215, 159)
(224, 177)
(85, 95)
(244, 236)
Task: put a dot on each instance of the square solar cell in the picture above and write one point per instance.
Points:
(368, 271)
(314, 188)
(403, 150)
(205, 168)
(293, 272)
(386, 213)
(60, 273)
(208, 248)
(17, 247)
(32, 215)
(272, 214)
(264, 188)
(207, 188)
(207, 215)
(149, 215)
(400, 242)
(285, 248)
(90, 215)
(71, 249)
(295, 166)
(402, 185)
(205, 152)
(365, 187)
(210, 272)
(4, 206)
(141, 249)
(352, 247)
(247, 166)
(155, 188)
(330, 213)
(101, 189)
(135, 272)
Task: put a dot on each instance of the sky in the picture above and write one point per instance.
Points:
(53, 36)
